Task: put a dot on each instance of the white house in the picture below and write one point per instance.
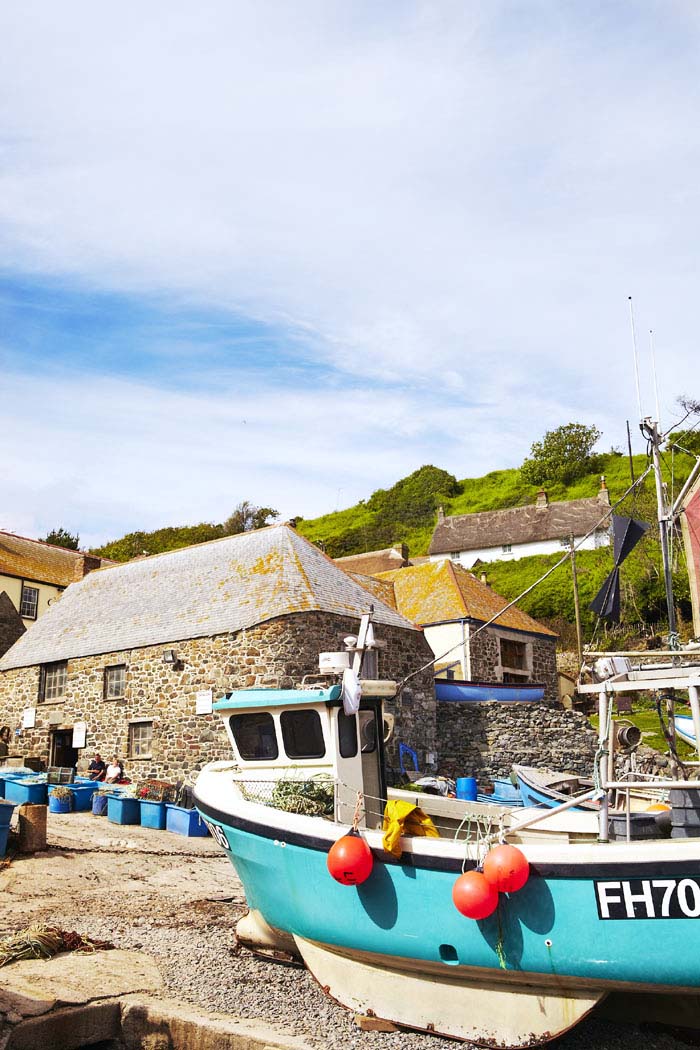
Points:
(517, 532)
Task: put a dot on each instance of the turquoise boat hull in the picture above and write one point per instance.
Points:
(454, 691)
(552, 927)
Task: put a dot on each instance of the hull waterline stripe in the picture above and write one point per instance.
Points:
(611, 869)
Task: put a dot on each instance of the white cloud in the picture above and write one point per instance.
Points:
(452, 198)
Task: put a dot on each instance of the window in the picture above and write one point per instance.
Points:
(516, 660)
(255, 736)
(368, 732)
(302, 734)
(507, 548)
(52, 681)
(115, 682)
(29, 602)
(565, 541)
(347, 735)
(140, 739)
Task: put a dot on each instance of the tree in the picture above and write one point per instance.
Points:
(62, 538)
(247, 516)
(562, 455)
(685, 439)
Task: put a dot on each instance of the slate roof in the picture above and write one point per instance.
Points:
(439, 591)
(42, 562)
(208, 589)
(530, 524)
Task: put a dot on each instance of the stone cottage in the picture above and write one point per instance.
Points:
(130, 658)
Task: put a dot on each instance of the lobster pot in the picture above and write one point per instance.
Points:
(685, 813)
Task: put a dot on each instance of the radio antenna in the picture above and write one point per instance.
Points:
(636, 360)
(653, 368)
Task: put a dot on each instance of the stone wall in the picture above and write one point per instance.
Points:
(542, 658)
(485, 739)
(276, 654)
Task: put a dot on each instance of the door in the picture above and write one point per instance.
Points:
(62, 751)
(372, 752)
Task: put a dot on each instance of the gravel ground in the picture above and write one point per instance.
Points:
(178, 899)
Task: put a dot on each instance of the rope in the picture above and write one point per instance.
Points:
(564, 558)
(359, 811)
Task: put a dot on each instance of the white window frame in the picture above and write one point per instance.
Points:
(23, 600)
(53, 684)
(134, 737)
(506, 548)
(109, 676)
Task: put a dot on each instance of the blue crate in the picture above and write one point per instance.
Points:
(82, 796)
(6, 811)
(19, 792)
(123, 810)
(184, 821)
(152, 814)
(99, 805)
(4, 835)
(59, 805)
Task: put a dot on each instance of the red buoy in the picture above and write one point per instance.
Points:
(474, 896)
(350, 860)
(506, 868)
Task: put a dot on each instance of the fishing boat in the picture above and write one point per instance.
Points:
(593, 916)
(507, 692)
(685, 729)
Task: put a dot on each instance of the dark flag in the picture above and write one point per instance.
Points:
(627, 532)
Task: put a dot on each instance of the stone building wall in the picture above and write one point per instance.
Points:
(486, 739)
(276, 654)
(486, 658)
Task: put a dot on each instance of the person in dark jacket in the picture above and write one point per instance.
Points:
(97, 768)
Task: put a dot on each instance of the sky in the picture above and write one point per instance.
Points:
(290, 252)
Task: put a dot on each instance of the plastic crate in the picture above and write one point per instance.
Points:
(184, 821)
(82, 796)
(4, 835)
(123, 810)
(152, 814)
(19, 792)
(6, 811)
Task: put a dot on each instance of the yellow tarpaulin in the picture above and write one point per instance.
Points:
(404, 818)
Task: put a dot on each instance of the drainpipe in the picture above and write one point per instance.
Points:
(466, 651)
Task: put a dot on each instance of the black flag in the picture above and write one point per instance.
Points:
(627, 532)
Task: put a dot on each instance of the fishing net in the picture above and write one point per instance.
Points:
(43, 942)
(312, 798)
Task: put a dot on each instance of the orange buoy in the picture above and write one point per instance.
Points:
(474, 896)
(350, 860)
(658, 807)
(506, 868)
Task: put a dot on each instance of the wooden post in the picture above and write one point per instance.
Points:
(32, 828)
(577, 607)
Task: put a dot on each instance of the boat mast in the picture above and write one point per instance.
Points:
(650, 428)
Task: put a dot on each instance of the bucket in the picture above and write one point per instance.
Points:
(467, 788)
(99, 805)
(59, 805)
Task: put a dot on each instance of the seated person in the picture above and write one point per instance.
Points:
(97, 768)
(115, 771)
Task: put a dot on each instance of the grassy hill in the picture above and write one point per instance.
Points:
(406, 513)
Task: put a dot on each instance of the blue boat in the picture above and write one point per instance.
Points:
(455, 690)
(592, 917)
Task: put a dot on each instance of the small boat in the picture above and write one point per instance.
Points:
(542, 787)
(507, 692)
(685, 729)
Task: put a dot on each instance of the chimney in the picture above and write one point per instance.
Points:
(402, 549)
(604, 495)
(542, 499)
(441, 514)
(84, 564)
(484, 579)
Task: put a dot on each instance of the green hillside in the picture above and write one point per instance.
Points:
(407, 512)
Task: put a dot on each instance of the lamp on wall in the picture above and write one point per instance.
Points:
(170, 658)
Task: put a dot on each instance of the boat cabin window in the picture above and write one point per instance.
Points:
(255, 736)
(302, 734)
(368, 732)
(347, 735)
